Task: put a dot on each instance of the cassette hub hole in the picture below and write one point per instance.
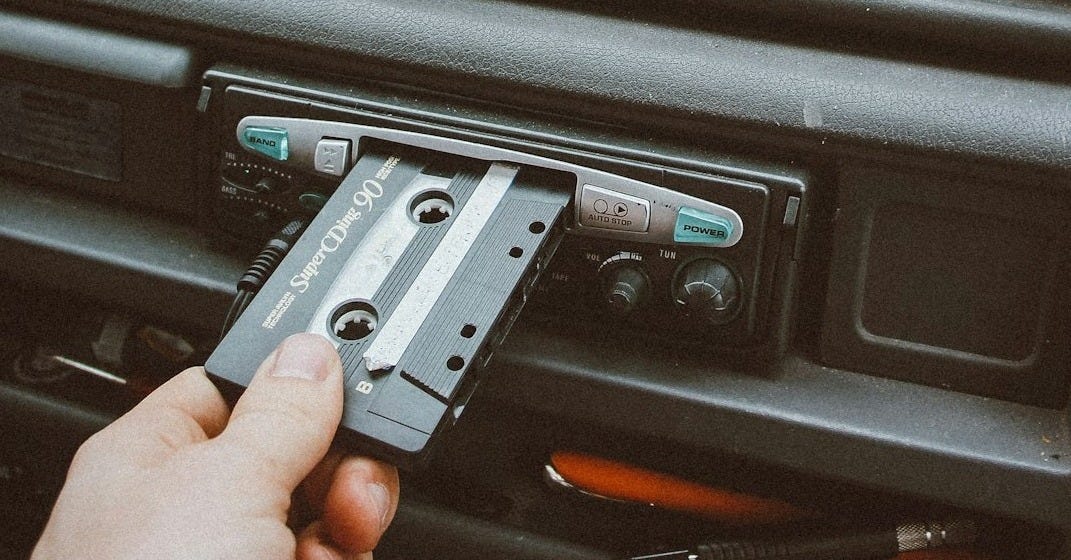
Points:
(455, 363)
(516, 252)
(432, 207)
(537, 227)
(468, 330)
(354, 321)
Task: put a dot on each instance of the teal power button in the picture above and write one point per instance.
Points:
(695, 227)
(270, 141)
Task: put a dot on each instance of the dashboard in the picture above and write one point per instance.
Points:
(877, 193)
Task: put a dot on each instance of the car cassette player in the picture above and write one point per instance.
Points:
(424, 244)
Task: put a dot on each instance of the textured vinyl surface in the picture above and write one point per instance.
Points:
(629, 70)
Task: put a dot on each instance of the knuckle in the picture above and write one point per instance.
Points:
(92, 450)
(288, 419)
(182, 429)
(267, 436)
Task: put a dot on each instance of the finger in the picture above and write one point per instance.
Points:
(360, 503)
(185, 410)
(313, 544)
(284, 422)
(313, 490)
(307, 504)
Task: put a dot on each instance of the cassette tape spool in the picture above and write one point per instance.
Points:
(415, 269)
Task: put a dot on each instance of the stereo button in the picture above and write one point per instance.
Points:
(313, 202)
(607, 209)
(270, 141)
(332, 156)
(695, 227)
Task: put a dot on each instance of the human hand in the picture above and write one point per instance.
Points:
(180, 476)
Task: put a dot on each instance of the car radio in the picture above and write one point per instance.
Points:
(691, 252)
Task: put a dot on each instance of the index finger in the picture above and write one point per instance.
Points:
(185, 410)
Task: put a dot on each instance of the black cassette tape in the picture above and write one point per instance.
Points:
(415, 268)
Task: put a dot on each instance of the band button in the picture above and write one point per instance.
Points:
(270, 141)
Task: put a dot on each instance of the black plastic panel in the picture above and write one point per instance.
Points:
(1012, 36)
(39, 439)
(426, 531)
(103, 53)
(618, 70)
(967, 451)
(101, 111)
(958, 284)
(55, 242)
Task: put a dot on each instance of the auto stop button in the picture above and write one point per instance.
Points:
(695, 227)
(607, 209)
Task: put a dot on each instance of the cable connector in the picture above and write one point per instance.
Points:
(862, 545)
(270, 256)
(261, 269)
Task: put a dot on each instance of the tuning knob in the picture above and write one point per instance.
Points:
(708, 290)
(625, 285)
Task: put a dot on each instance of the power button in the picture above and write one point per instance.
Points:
(695, 227)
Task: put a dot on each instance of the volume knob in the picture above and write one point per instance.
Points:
(625, 285)
(627, 289)
(709, 290)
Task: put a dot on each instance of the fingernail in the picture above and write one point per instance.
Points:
(381, 497)
(304, 356)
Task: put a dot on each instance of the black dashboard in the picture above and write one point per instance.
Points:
(902, 340)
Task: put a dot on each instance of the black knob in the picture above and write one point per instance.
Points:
(267, 185)
(708, 290)
(626, 288)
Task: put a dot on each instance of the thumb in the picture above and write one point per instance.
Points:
(288, 415)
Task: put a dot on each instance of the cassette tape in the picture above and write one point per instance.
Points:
(415, 268)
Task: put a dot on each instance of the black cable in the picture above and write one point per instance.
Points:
(864, 545)
(258, 272)
(238, 305)
(232, 310)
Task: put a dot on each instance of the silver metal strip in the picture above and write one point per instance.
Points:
(304, 134)
(86, 368)
(398, 332)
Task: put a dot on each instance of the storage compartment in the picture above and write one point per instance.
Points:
(958, 284)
